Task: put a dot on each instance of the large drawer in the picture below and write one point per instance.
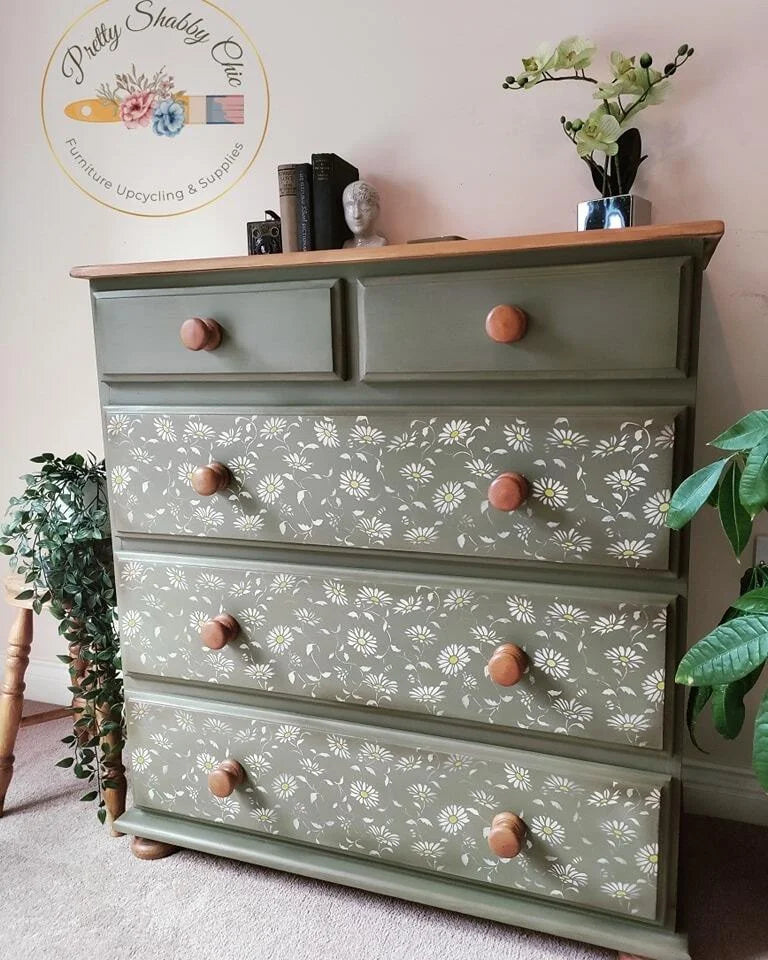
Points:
(594, 830)
(289, 331)
(599, 479)
(596, 658)
(604, 320)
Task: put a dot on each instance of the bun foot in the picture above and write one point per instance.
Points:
(144, 849)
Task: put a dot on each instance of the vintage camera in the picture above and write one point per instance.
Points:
(264, 235)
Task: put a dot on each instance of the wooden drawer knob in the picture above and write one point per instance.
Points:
(220, 631)
(508, 491)
(226, 778)
(507, 835)
(506, 324)
(507, 664)
(200, 333)
(211, 479)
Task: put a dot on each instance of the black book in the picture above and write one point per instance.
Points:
(330, 175)
(304, 216)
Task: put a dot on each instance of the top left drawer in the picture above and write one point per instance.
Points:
(271, 331)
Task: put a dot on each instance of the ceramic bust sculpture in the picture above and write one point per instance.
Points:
(361, 208)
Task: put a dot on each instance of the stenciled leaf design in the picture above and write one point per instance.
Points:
(729, 652)
(728, 710)
(698, 698)
(753, 489)
(736, 522)
(693, 492)
(745, 433)
(760, 743)
(756, 601)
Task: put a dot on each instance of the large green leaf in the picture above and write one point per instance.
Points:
(747, 433)
(753, 490)
(729, 652)
(692, 493)
(756, 601)
(728, 704)
(760, 744)
(736, 522)
(698, 698)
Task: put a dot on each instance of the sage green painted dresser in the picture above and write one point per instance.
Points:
(398, 606)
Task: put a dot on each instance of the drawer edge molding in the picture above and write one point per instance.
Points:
(558, 920)
(594, 661)
(124, 320)
(400, 738)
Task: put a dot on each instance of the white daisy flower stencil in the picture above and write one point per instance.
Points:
(552, 493)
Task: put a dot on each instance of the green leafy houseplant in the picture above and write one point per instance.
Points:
(723, 666)
(57, 536)
(634, 85)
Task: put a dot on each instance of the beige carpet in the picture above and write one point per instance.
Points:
(67, 891)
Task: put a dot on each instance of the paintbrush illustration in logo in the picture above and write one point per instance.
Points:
(141, 101)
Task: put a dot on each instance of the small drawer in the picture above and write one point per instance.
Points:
(581, 663)
(593, 832)
(605, 320)
(580, 485)
(273, 331)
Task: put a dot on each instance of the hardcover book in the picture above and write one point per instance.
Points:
(330, 175)
(304, 212)
(286, 178)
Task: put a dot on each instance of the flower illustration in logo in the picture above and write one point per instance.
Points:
(136, 110)
(138, 99)
(168, 118)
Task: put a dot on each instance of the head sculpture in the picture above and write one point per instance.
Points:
(361, 210)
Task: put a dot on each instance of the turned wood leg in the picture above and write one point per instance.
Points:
(12, 694)
(144, 849)
(114, 797)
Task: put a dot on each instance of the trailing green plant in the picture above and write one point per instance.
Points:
(723, 666)
(634, 85)
(57, 537)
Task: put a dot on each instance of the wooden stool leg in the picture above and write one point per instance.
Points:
(12, 695)
(114, 797)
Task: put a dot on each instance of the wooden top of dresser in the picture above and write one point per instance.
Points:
(708, 232)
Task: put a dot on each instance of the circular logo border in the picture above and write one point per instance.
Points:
(136, 213)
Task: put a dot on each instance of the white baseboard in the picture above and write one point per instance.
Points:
(732, 793)
(47, 681)
(709, 788)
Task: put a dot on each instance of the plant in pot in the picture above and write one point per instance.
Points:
(56, 534)
(725, 665)
(607, 131)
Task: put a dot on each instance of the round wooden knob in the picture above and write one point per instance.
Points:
(211, 479)
(217, 633)
(226, 778)
(507, 835)
(200, 333)
(506, 324)
(508, 491)
(507, 664)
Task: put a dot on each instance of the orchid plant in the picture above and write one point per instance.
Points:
(634, 85)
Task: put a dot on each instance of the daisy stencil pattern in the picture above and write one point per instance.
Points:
(599, 483)
(596, 667)
(414, 805)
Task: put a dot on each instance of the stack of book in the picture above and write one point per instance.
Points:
(311, 211)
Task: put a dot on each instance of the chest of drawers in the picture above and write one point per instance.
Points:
(398, 606)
